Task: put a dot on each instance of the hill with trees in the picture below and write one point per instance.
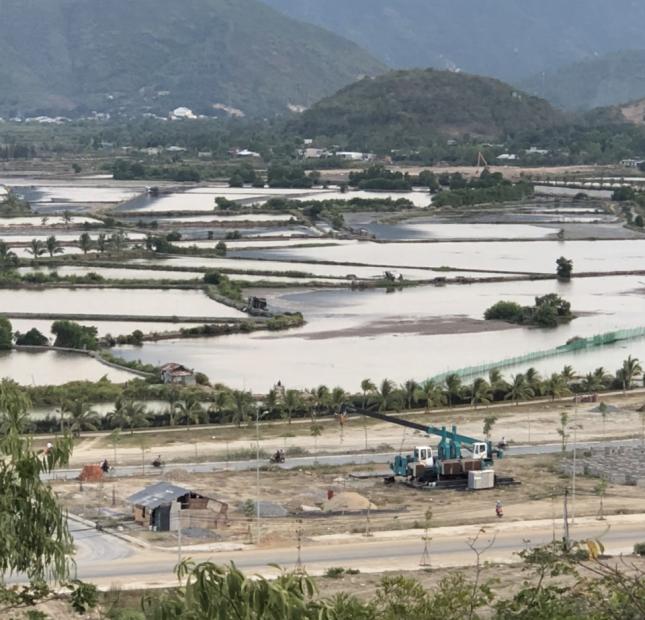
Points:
(598, 82)
(216, 57)
(511, 40)
(410, 108)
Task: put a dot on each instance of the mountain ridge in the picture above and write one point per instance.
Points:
(152, 56)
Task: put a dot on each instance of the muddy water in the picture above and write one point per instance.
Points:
(534, 257)
(414, 333)
(115, 301)
(117, 274)
(55, 368)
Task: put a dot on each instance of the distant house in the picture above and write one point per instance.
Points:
(163, 506)
(354, 156)
(313, 153)
(177, 374)
(631, 163)
(508, 157)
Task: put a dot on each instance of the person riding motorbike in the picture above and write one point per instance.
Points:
(157, 462)
(499, 509)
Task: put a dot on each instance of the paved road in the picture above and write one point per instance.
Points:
(447, 549)
(307, 461)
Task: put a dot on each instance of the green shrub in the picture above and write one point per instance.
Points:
(639, 548)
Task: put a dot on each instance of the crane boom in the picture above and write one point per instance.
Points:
(451, 441)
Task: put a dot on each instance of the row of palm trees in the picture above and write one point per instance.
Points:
(52, 246)
(240, 406)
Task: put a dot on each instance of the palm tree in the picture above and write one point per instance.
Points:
(67, 218)
(292, 402)
(568, 374)
(81, 416)
(454, 388)
(173, 398)
(337, 399)
(53, 246)
(489, 422)
(36, 248)
(591, 383)
(387, 396)
(320, 398)
(556, 386)
(243, 406)
(534, 380)
(482, 392)
(630, 370)
(221, 401)
(8, 258)
(410, 388)
(367, 387)
(128, 414)
(519, 389)
(431, 393)
(101, 243)
(190, 410)
(85, 242)
(118, 241)
(603, 377)
(497, 383)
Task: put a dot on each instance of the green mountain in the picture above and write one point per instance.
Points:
(598, 82)
(133, 56)
(508, 39)
(410, 108)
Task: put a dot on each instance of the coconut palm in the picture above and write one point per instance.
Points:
(81, 416)
(291, 403)
(368, 388)
(222, 400)
(603, 377)
(534, 380)
(8, 258)
(568, 374)
(555, 386)
(243, 406)
(128, 414)
(519, 389)
(101, 243)
(190, 410)
(630, 370)
(387, 396)
(319, 398)
(410, 388)
(481, 392)
(173, 398)
(431, 393)
(53, 246)
(497, 383)
(454, 388)
(36, 248)
(591, 383)
(337, 399)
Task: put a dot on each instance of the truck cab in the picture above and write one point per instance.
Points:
(480, 450)
(424, 456)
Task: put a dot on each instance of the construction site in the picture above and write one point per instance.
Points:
(396, 475)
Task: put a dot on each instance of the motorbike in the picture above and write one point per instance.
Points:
(499, 510)
(157, 463)
(278, 457)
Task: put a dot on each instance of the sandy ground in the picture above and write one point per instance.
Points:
(531, 423)
(397, 507)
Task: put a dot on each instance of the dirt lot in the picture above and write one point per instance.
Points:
(530, 423)
(395, 507)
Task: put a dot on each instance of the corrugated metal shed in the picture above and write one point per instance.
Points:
(157, 495)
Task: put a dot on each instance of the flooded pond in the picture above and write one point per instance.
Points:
(414, 333)
(134, 302)
(55, 368)
(336, 271)
(53, 220)
(533, 257)
(113, 273)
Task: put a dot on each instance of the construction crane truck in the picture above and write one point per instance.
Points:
(427, 466)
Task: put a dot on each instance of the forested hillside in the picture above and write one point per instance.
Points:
(74, 56)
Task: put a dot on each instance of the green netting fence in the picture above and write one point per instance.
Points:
(577, 344)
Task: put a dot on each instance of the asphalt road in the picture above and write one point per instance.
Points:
(307, 461)
(449, 547)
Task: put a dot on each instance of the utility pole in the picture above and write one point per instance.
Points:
(299, 533)
(573, 481)
(257, 474)
(567, 540)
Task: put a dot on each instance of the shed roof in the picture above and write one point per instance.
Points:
(157, 494)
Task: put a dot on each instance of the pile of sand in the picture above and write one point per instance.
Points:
(348, 501)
